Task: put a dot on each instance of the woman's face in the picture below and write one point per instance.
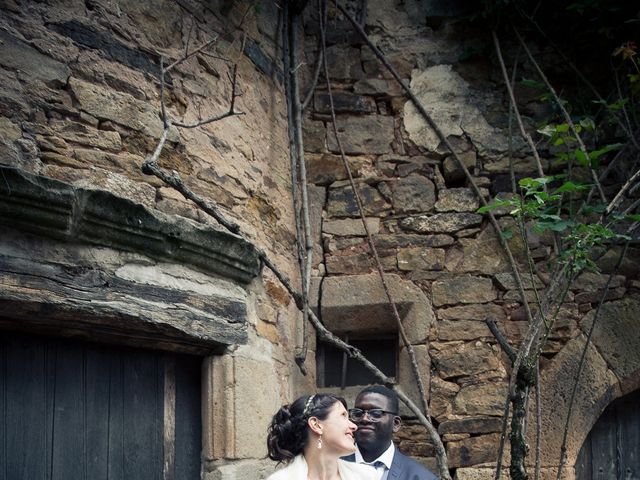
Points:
(337, 431)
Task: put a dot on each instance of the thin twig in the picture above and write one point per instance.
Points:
(322, 14)
(502, 340)
(229, 113)
(627, 185)
(307, 258)
(189, 55)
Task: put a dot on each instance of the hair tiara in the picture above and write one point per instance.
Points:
(307, 406)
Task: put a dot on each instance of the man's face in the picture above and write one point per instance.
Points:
(375, 436)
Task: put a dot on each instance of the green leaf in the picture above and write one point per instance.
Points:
(547, 131)
(572, 187)
(634, 217)
(527, 82)
(494, 205)
(606, 149)
(561, 226)
(588, 124)
(507, 234)
(582, 158)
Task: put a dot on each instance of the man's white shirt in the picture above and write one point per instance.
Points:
(386, 458)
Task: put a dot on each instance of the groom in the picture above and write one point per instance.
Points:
(376, 415)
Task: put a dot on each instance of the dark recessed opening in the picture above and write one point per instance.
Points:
(336, 369)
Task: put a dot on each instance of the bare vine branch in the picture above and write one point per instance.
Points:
(322, 14)
(565, 114)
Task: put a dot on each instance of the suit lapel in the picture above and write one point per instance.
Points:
(397, 466)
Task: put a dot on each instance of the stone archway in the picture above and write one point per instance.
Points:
(612, 369)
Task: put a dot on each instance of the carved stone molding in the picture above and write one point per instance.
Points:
(85, 263)
(56, 209)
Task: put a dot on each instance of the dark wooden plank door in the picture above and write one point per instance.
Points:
(74, 410)
(612, 448)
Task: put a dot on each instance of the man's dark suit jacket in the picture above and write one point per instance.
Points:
(403, 468)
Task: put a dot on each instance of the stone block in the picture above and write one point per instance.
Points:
(481, 399)
(408, 240)
(522, 166)
(315, 136)
(463, 289)
(441, 222)
(344, 63)
(451, 168)
(121, 108)
(399, 61)
(30, 63)
(484, 253)
(323, 169)
(442, 396)
(421, 259)
(351, 226)
(10, 133)
(480, 473)
(344, 102)
(612, 335)
(359, 303)
(457, 200)
(449, 99)
(472, 425)
(414, 193)
(591, 282)
(342, 201)
(629, 266)
(358, 263)
(74, 132)
(473, 451)
(406, 376)
(467, 359)
(595, 297)
(477, 312)
(239, 470)
(371, 134)
(316, 204)
(237, 384)
(461, 330)
(378, 87)
(507, 281)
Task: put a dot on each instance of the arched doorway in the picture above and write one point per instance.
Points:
(612, 448)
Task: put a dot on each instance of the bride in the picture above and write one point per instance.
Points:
(310, 435)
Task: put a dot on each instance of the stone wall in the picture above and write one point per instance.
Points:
(421, 212)
(80, 103)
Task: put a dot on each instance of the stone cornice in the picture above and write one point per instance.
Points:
(48, 207)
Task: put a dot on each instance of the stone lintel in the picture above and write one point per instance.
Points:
(56, 209)
(91, 303)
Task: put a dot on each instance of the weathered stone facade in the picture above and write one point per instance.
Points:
(93, 247)
(79, 112)
(421, 213)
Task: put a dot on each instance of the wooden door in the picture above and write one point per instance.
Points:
(76, 410)
(612, 449)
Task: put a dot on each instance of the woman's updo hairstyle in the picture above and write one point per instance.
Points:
(289, 433)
